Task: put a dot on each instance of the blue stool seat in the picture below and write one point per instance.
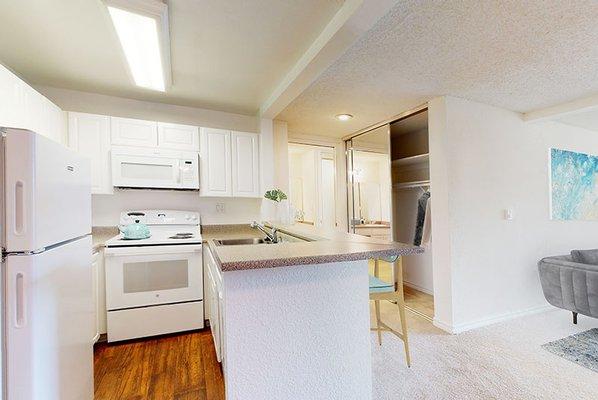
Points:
(377, 285)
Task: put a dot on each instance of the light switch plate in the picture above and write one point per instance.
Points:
(508, 214)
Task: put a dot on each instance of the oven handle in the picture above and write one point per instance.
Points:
(148, 251)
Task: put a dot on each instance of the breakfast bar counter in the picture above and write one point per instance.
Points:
(320, 248)
(292, 319)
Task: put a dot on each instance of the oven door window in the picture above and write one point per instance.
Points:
(151, 276)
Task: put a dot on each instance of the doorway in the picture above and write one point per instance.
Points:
(312, 179)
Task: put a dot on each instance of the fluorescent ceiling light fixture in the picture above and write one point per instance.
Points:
(343, 117)
(142, 28)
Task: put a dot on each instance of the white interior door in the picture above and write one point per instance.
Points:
(49, 324)
(327, 193)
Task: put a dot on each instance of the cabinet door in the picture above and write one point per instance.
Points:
(134, 132)
(215, 163)
(89, 134)
(215, 317)
(245, 164)
(95, 276)
(53, 122)
(178, 137)
(101, 290)
(33, 112)
(11, 101)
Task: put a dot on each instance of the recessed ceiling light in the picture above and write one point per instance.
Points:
(343, 117)
(142, 28)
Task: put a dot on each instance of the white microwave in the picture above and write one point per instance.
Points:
(134, 167)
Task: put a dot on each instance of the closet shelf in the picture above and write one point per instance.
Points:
(418, 159)
(409, 185)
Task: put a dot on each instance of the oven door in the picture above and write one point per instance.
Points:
(152, 275)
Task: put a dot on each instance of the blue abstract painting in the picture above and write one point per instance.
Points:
(574, 185)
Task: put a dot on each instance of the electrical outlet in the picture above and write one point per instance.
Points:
(220, 208)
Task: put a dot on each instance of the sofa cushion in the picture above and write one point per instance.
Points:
(585, 256)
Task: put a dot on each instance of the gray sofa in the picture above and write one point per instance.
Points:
(571, 282)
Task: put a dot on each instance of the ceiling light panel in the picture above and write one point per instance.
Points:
(142, 28)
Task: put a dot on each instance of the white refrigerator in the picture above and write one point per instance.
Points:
(47, 304)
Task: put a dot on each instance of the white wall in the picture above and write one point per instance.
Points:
(483, 160)
(281, 156)
(106, 208)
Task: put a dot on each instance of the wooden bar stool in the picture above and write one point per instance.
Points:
(380, 290)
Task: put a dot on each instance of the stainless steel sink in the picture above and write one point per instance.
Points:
(236, 242)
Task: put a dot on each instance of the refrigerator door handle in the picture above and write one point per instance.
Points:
(20, 301)
(19, 222)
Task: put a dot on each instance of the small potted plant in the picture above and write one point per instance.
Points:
(279, 197)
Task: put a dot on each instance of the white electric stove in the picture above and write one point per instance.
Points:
(154, 286)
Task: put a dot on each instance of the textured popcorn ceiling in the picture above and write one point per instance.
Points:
(517, 54)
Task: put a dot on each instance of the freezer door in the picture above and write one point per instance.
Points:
(50, 324)
(47, 192)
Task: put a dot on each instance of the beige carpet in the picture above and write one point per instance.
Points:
(502, 361)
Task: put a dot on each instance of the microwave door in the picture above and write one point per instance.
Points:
(146, 172)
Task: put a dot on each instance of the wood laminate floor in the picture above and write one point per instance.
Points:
(173, 367)
(416, 301)
(419, 302)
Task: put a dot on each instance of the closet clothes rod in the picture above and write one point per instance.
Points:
(411, 185)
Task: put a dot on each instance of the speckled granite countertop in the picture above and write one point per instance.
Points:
(99, 236)
(236, 231)
(323, 247)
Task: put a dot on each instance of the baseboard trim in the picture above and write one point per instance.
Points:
(464, 327)
(417, 287)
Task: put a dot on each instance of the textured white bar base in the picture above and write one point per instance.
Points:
(299, 332)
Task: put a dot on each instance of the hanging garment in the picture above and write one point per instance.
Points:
(427, 230)
(421, 217)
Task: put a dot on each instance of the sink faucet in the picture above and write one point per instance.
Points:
(273, 236)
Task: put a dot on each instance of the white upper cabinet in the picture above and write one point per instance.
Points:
(245, 164)
(23, 107)
(89, 135)
(229, 163)
(178, 137)
(134, 132)
(12, 112)
(215, 163)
